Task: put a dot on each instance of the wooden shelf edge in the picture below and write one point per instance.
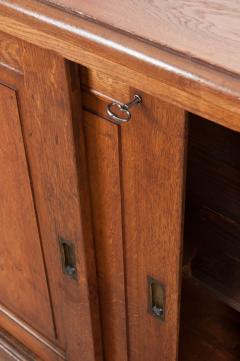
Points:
(209, 329)
(201, 89)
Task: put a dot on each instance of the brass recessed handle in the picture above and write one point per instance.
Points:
(156, 298)
(68, 258)
(119, 113)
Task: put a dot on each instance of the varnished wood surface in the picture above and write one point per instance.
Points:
(204, 30)
(10, 52)
(22, 262)
(12, 350)
(40, 111)
(209, 329)
(26, 252)
(153, 158)
(29, 337)
(104, 174)
(49, 130)
(204, 90)
(145, 164)
(5, 356)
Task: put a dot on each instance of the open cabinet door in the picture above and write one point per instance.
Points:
(47, 258)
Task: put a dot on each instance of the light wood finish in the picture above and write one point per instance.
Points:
(189, 27)
(104, 86)
(28, 336)
(21, 262)
(203, 90)
(23, 323)
(103, 163)
(10, 52)
(43, 308)
(115, 193)
(48, 125)
(153, 155)
(148, 155)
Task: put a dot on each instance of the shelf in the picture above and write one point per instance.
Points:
(212, 253)
(210, 330)
(221, 274)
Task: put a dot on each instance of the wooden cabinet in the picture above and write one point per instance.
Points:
(91, 212)
(119, 237)
(24, 288)
(41, 222)
(136, 180)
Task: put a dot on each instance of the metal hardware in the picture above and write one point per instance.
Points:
(68, 258)
(156, 298)
(122, 109)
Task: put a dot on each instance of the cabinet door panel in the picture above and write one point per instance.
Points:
(150, 163)
(23, 282)
(43, 202)
(105, 184)
(51, 125)
(153, 157)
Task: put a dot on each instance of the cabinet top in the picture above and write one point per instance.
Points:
(206, 30)
(185, 52)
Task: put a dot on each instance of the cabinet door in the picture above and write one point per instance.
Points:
(153, 173)
(137, 189)
(47, 260)
(23, 282)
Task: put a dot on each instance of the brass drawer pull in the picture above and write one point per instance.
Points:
(123, 109)
(67, 251)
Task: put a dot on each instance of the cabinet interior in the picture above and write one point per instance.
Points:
(210, 302)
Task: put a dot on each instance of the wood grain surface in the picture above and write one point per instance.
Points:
(205, 90)
(11, 349)
(103, 163)
(148, 154)
(21, 248)
(49, 132)
(22, 262)
(10, 52)
(205, 30)
(41, 188)
(153, 168)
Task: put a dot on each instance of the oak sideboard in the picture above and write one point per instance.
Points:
(119, 180)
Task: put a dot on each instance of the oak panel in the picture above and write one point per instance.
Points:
(153, 170)
(50, 126)
(29, 337)
(206, 91)
(11, 350)
(152, 173)
(190, 27)
(23, 282)
(104, 174)
(103, 85)
(10, 52)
